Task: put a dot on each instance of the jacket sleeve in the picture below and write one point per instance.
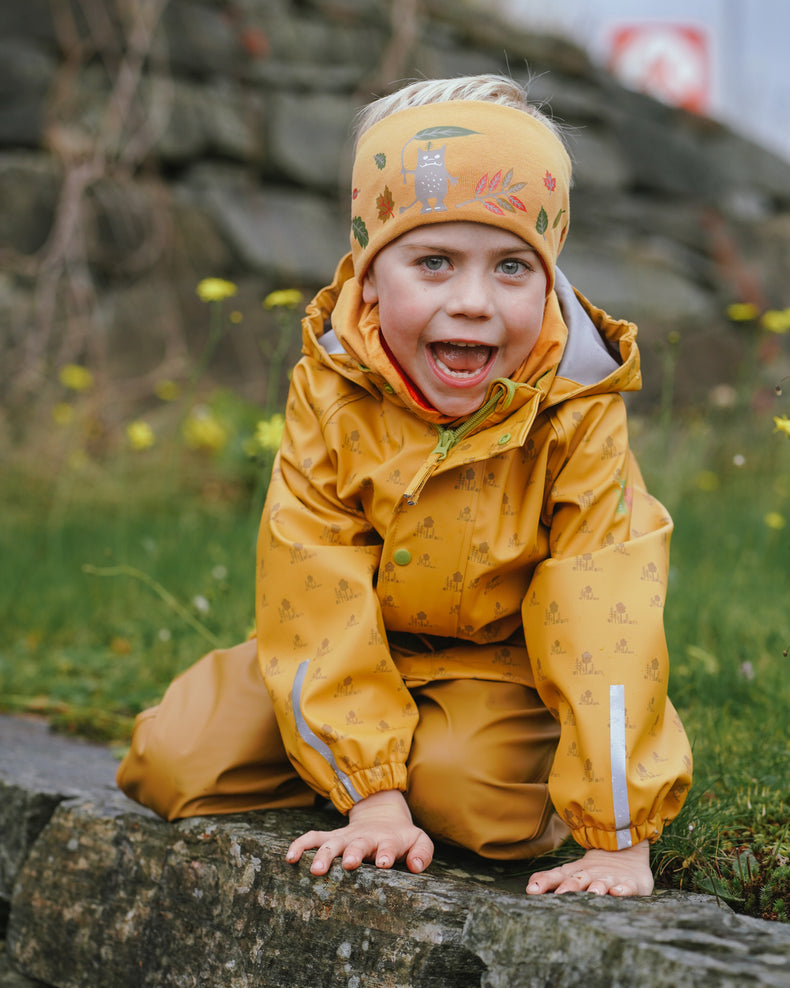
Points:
(345, 716)
(593, 620)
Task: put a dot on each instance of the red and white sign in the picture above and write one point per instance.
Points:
(668, 61)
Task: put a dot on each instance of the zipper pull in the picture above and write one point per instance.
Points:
(444, 443)
(502, 390)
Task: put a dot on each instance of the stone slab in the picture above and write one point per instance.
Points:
(38, 770)
(108, 894)
(111, 895)
(11, 978)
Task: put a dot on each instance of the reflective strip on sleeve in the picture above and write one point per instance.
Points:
(622, 812)
(312, 740)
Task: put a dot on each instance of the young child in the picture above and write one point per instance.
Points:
(461, 577)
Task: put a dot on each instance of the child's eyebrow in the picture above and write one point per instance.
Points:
(429, 248)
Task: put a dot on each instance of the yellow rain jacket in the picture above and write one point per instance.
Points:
(397, 548)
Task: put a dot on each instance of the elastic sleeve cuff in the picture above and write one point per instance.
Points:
(366, 782)
(613, 840)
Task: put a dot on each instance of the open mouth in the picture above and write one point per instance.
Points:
(461, 360)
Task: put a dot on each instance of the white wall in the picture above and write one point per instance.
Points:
(748, 41)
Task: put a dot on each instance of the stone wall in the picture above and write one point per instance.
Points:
(146, 144)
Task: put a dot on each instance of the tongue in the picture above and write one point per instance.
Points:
(462, 358)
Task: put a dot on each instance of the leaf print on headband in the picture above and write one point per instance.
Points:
(360, 231)
(385, 205)
(440, 132)
(497, 194)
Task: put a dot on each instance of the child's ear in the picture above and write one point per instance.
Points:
(369, 291)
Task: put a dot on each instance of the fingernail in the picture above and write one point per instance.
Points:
(418, 864)
(383, 863)
(290, 856)
(533, 886)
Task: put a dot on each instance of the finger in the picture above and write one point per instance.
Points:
(623, 889)
(578, 881)
(356, 851)
(293, 854)
(312, 838)
(420, 854)
(387, 853)
(545, 881)
(324, 856)
(538, 883)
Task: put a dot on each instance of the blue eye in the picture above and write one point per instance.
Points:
(433, 263)
(512, 267)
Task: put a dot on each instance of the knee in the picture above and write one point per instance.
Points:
(153, 772)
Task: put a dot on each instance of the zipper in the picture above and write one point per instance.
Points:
(449, 436)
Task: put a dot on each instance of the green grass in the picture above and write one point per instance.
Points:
(113, 584)
(728, 626)
(118, 575)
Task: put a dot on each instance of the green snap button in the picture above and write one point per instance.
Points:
(505, 438)
(402, 557)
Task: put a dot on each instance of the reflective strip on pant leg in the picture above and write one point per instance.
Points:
(622, 812)
(311, 739)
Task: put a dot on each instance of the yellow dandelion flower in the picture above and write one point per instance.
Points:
(167, 390)
(75, 377)
(202, 430)
(140, 435)
(774, 520)
(706, 480)
(215, 289)
(269, 433)
(284, 298)
(63, 414)
(742, 311)
(236, 317)
(782, 424)
(776, 320)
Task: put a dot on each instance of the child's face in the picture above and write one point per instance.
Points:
(460, 304)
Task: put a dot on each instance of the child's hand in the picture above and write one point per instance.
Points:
(380, 829)
(622, 873)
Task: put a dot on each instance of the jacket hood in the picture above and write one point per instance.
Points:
(581, 349)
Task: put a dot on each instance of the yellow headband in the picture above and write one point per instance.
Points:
(460, 160)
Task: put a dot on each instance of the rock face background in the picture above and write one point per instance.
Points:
(146, 144)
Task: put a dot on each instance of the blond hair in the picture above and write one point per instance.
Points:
(491, 88)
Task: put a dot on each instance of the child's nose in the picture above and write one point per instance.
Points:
(470, 296)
